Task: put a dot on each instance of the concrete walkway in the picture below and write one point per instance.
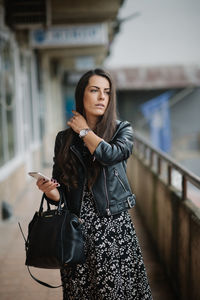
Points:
(16, 284)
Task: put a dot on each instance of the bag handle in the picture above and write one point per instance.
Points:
(62, 200)
(37, 280)
(42, 203)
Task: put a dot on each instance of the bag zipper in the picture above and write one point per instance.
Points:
(107, 209)
(120, 180)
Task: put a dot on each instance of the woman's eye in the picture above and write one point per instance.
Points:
(93, 91)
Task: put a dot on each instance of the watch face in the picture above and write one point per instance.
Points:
(83, 132)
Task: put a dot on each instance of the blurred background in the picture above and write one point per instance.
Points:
(151, 48)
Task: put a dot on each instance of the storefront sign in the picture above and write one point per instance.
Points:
(77, 35)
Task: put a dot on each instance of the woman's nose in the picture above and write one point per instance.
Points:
(102, 95)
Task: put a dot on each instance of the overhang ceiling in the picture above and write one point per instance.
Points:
(22, 14)
(79, 11)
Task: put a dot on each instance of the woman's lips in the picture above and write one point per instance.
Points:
(100, 105)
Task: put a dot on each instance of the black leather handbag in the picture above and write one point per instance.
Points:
(55, 239)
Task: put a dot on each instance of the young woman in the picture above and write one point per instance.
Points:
(90, 165)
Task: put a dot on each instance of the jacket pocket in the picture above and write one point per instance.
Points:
(116, 173)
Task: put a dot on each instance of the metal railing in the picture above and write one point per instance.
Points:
(155, 159)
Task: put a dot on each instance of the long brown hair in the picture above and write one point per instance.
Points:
(105, 128)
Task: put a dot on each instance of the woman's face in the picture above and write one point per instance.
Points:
(96, 96)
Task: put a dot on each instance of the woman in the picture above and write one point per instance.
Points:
(90, 166)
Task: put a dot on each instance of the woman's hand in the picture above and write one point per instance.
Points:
(49, 188)
(77, 122)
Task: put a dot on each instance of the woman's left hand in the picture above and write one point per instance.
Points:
(77, 122)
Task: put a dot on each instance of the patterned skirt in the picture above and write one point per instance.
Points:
(114, 267)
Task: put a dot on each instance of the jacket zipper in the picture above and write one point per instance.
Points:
(107, 209)
(118, 177)
(77, 154)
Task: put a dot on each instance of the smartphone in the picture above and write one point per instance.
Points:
(38, 175)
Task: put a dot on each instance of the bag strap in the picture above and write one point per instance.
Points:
(42, 282)
(37, 280)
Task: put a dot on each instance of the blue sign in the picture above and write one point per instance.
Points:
(156, 111)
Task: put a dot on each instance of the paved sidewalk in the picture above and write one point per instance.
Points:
(16, 284)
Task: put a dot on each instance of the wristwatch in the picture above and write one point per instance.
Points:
(84, 132)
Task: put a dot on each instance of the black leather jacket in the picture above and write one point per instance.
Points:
(111, 190)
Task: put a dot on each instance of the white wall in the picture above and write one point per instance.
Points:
(166, 33)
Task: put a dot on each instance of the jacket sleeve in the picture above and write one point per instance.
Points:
(56, 171)
(120, 148)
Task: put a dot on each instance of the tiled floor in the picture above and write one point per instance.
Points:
(15, 282)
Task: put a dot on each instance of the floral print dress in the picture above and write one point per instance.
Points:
(114, 267)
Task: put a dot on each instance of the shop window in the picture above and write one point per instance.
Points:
(27, 101)
(7, 107)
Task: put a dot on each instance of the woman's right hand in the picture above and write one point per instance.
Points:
(49, 188)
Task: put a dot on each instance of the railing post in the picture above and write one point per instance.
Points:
(169, 174)
(151, 158)
(159, 165)
(145, 152)
(184, 187)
